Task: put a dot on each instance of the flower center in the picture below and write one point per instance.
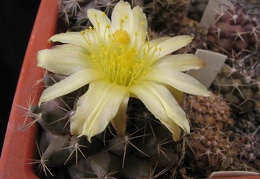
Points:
(122, 37)
(119, 61)
(119, 64)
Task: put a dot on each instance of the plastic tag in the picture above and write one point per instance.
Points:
(214, 62)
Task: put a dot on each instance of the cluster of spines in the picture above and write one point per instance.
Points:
(250, 144)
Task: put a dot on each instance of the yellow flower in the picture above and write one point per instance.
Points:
(118, 61)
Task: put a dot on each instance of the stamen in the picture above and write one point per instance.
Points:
(115, 58)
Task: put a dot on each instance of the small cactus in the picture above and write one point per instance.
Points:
(234, 29)
(240, 90)
(209, 111)
(209, 147)
(210, 150)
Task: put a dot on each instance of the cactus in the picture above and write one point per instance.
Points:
(237, 36)
(165, 17)
(147, 144)
(234, 29)
(250, 149)
(196, 9)
(209, 111)
(238, 81)
(74, 13)
(210, 148)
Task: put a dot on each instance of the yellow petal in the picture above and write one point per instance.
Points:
(75, 38)
(176, 131)
(100, 22)
(161, 104)
(137, 26)
(120, 15)
(178, 95)
(178, 80)
(69, 84)
(156, 41)
(168, 46)
(180, 62)
(97, 108)
(119, 121)
(63, 60)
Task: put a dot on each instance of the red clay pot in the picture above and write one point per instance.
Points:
(20, 145)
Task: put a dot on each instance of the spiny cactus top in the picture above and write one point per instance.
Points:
(118, 61)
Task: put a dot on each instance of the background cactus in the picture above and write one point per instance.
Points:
(234, 28)
(250, 149)
(236, 35)
(210, 147)
(163, 16)
(238, 80)
(196, 9)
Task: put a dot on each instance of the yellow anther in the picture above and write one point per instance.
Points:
(121, 36)
(121, 22)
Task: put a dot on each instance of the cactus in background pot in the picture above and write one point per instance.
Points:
(234, 28)
(209, 147)
(163, 16)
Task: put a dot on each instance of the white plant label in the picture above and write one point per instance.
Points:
(214, 62)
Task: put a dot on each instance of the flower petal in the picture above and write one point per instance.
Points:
(121, 12)
(178, 80)
(151, 50)
(100, 21)
(156, 41)
(180, 62)
(168, 46)
(162, 105)
(178, 95)
(177, 131)
(97, 108)
(64, 59)
(119, 121)
(75, 38)
(69, 84)
(137, 26)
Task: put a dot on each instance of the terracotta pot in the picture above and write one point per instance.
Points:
(20, 145)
